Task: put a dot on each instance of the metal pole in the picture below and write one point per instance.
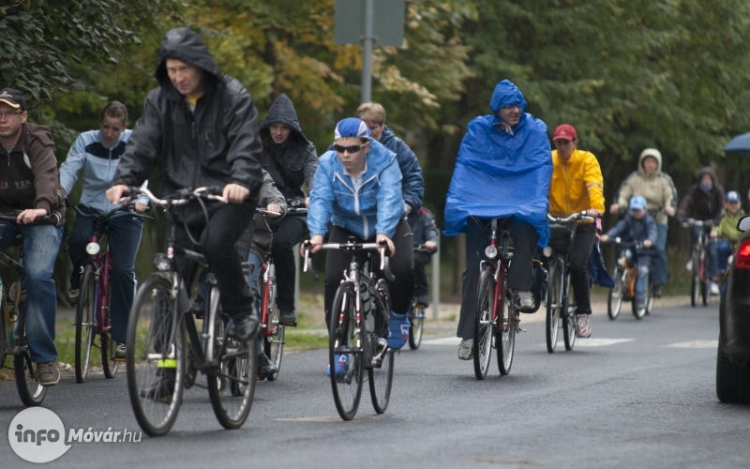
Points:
(367, 43)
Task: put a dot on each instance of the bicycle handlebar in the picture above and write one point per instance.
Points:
(582, 215)
(111, 215)
(694, 222)
(182, 196)
(49, 219)
(351, 246)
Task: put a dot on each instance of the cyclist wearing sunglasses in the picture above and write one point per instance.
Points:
(358, 190)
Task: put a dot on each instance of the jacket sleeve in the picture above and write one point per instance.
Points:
(46, 176)
(144, 146)
(594, 183)
(390, 200)
(625, 191)
(72, 165)
(311, 164)
(321, 200)
(431, 232)
(653, 233)
(685, 209)
(413, 180)
(670, 195)
(243, 134)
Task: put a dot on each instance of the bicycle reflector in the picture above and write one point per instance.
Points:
(742, 259)
(161, 262)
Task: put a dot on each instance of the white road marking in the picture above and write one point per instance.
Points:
(599, 342)
(695, 344)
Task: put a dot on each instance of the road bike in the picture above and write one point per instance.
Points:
(700, 281)
(159, 363)
(358, 327)
(93, 309)
(13, 341)
(625, 276)
(560, 303)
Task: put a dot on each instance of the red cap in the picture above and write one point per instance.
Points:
(565, 132)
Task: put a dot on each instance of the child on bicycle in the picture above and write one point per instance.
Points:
(720, 251)
(426, 240)
(637, 227)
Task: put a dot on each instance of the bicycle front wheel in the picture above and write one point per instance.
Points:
(569, 318)
(273, 336)
(616, 293)
(380, 371)
(705, 279)
(483, 327)
(155, 359)
(695, 280)
(554, 301)
(31, 392)
(85, 312)
(416, 327)
(344, 352)
(110, 363)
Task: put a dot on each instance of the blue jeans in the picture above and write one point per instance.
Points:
(645, 258)
(659, 264)
(40, 246)
(124, 234)
(718, 256)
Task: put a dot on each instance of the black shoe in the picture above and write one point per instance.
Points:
(120, 352)
(656, 291)
(243, 328)
(288, 318)
(163, 389)
(266, 368)
(197, 308)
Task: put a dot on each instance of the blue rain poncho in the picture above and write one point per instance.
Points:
(499, 172)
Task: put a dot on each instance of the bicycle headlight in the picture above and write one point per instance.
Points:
(161, 262)
(547, 251)
(93, 248)
(490, 251)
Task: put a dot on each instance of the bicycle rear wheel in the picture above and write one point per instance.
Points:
(483, 327)
(616, 293)
(506, 327)
(344, 352)
(155, 359)
(231, 386)
(569, 318)
(554, 301)
(380, 371)
(31, 392)
(417, 326)
(273, 336)
(85, 311)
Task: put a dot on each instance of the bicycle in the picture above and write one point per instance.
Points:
(497, 318)
(93, 309)
(272, 331)
(358, 327)
(159, 365)
(13, 324)
(416, 312)
(625, 276)
(700, 282)
(560, 310)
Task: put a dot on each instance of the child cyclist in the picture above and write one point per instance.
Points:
(719, 251)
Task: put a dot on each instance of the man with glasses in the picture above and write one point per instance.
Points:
(357, 190)
(577, 185)
(503, 170)
(30, 182)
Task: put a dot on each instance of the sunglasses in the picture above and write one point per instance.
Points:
(350, 148)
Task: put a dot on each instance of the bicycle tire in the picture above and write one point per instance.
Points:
(505, 327)
(483, 327)
(705, 280)
(569, 318)
(274, 335)
(417, 326)
(695, 280)
(380, 372)
(110, 364)
(31, 392)
(554, 301)
(155, 380)
(616, 293)
(231, 386)
(344, 333)
(85, 311)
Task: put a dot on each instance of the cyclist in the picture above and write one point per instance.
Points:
(95, 155)
(637, 227)
(704, 201)
(290, 158)
(503, 170)
(422, 224)
(719, 252)
(31, 183)
(577, 185)
(201, 127)
(658, 189)
(358, 190)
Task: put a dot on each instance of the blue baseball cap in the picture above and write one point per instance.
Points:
(637, 202)
(732, 196)
(351, 127)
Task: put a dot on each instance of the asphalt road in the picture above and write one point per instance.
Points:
(637, 394)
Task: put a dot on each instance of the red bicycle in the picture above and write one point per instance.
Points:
(93, 310)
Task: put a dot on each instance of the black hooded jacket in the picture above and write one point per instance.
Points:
(216, 144)
(292, 163)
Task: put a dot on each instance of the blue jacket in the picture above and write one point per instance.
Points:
(502, 172)
(98, 163)
(634, 230)
(375, 207)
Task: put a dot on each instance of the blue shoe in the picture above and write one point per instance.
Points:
(398, 330)
(342, 365)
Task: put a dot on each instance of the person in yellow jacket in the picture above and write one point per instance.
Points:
(577, 185)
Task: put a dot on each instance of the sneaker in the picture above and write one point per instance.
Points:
(465, 349)
(288, 318)
(243, 328)
(163, 387)
(714, 288)
(583, 325)
(47, 373)
(120, 351)
(198, 308)
(656, 291)
(266, 368)
(342, 365)
(525, 300)
(398, 332)
(689, 265)
(73, 294)
(423, 300)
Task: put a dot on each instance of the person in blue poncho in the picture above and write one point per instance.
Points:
(503, 170)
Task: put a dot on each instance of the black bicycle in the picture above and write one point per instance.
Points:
(159, 364)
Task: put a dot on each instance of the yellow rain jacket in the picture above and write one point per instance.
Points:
(576, 185)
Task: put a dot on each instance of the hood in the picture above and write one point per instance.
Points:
(282, 110)
(185, 45)
(703, 171)
(506, 93)
(653, 153)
